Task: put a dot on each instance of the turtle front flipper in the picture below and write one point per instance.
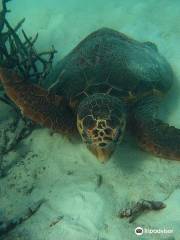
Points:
(37, 103)
(157, 137)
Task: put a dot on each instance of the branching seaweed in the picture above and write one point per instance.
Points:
(21, 55)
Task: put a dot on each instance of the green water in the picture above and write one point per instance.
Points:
(82, 196)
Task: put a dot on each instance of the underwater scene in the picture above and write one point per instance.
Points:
(89, 120)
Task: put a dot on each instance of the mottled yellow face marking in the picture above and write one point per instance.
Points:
(101, 134)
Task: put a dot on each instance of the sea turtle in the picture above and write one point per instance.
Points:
(107, 83)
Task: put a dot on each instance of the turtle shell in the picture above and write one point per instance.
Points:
(109, 61)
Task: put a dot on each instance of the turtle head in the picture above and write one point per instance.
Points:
(101, 123)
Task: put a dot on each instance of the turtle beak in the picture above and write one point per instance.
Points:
(102, 153)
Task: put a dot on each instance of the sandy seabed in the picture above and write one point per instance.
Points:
(64, 173)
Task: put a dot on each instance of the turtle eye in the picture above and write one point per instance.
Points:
(113, 122)
(89, 122)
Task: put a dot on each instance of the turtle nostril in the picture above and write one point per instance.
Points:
(102, 144)
(108, 138)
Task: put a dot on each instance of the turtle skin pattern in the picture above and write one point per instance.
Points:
(38, 104)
